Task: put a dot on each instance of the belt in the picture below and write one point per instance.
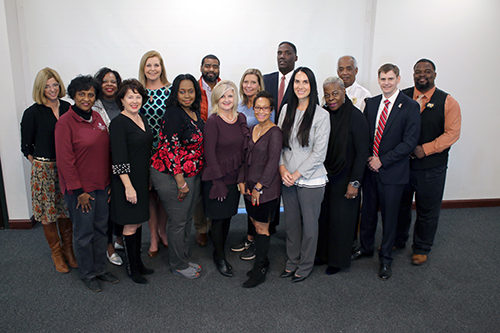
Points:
(44, 159)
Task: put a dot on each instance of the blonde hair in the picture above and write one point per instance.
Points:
(41, 81)
(142, 75)
(219, 90)
(253, 71)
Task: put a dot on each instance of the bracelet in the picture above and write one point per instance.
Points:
(258, 189)
(181, 187)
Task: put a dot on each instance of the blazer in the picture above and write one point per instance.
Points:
(271, 85)
(399, 139)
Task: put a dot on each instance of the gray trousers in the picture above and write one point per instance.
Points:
(89, 232)
(302, 207)
(180, 215)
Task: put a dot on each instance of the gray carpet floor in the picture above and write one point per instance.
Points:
(457, 290)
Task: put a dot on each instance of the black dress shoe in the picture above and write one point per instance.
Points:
(222, 266)
(332, 270)
(319, 262)
(92, 284)
(296, 278)
(108, 277)
(360, 254)
(385, 271)
(287, 274)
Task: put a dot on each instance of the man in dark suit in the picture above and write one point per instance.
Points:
(277, 83)
(394, 124)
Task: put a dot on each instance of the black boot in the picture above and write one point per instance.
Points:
(261, 266)
(132, 249)
(143, 269)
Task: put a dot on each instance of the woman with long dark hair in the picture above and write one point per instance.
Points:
(176, 169)
(306, 127)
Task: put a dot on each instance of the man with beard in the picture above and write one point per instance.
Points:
(209, 78)
(441, 121)
(347, 69)
(277, 83)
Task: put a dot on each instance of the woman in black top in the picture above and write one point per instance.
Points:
(348, 149)
(37, 135)
(176, 169)
(131, 138)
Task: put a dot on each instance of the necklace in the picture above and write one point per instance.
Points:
(230, 121)
(262, 129)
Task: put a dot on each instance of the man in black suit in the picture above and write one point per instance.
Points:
(394, 124)
(280, 81)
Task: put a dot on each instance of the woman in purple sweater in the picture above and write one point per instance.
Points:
(259, 181)
(225, 136)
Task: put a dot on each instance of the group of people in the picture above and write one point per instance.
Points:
(146, 150)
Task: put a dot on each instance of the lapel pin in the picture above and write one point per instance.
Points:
(430, 105)
(400, 105)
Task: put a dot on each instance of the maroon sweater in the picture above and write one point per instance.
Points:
(82, 153)
(224, 146)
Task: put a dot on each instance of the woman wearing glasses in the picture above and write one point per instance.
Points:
(38, 145)
(259, 181)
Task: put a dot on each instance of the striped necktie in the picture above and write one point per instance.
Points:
(380, 128)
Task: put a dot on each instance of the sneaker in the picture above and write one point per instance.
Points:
(115, 259)
(249, 253)
(243, 245)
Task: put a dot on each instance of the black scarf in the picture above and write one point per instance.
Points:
(339, 132)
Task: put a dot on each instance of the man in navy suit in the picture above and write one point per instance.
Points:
(287, 56)
(394, 124)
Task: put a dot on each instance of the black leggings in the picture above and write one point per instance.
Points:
(219, 232)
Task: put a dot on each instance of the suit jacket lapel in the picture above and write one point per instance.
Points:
(396, 110)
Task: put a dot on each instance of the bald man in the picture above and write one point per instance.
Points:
(347, 68)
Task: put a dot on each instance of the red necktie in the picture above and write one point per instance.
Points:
(380, 128)
(281, 91)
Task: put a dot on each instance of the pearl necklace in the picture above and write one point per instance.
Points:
(227, 119)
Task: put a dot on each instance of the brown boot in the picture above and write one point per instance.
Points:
(66, 231)
(52, 237)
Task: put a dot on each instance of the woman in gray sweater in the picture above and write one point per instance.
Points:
(306, 129)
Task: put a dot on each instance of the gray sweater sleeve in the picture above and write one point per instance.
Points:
(318, 143)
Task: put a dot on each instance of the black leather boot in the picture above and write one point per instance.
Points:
(132, 249)
(261, 266)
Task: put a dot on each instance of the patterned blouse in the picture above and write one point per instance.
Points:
(154, 108)
(180, 148)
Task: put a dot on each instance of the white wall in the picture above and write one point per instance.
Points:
(463, 40)
(80, 37)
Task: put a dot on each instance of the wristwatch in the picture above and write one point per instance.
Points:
(355, 184)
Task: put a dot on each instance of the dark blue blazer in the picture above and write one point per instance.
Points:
(271, 85)
(399, 139)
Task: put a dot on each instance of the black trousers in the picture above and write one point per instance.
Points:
(428, 186)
